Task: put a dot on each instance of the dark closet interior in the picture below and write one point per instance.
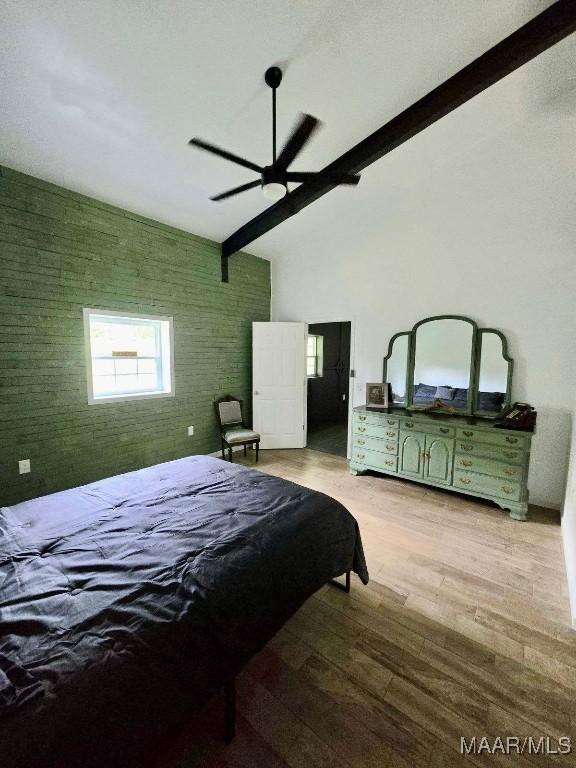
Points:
(328, 386)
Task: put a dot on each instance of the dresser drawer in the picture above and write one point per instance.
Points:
(488, 467)
(508, 455)
(492, 436)
(369, 429)
(382, 419)
(375, 444)
(428, 428)
(495, 486)
(374, 459)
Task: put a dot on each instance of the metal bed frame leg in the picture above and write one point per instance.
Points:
(230, 710)
(345, 587)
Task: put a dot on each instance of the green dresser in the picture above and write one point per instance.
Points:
(445, 451)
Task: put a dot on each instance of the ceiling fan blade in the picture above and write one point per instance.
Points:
(345, 178)
(236, 190)
(225, 154)
(296, 141)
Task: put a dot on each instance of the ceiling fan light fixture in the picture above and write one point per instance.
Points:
(274, 190)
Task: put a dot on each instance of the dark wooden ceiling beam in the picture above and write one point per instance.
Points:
(543, 31)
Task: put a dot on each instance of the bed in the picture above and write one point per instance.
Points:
(143, 594)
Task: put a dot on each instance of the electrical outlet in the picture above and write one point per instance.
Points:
(190, 431)
(24, 466)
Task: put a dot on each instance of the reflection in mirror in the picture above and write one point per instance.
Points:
(442, 363)
(493, 381)
(396, 367)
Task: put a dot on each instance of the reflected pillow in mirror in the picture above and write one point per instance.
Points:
(445, 393)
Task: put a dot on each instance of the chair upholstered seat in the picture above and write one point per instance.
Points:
(240, 435)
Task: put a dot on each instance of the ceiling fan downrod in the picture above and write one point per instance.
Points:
(273, 78)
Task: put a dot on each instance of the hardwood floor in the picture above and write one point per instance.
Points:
(464, 630)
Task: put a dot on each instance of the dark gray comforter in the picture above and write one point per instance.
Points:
(141, 594)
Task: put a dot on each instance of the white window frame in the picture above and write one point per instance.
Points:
(166, 355)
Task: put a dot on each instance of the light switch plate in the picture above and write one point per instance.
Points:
(190, 431)
(24, 466)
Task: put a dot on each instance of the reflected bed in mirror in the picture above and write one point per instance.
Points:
(443, 362)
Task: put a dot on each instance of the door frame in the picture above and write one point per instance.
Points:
(351, 381)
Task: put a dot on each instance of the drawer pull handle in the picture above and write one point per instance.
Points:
(467, 432)
(361, 442)
(390, 447)
(510, 472)
(465, 462)
(510, 454)
(390, 434)
(389, 463)
(360, 456)
(507, 489)
(390, 421)
(466, 447)
(511, 439)
(444, 430)
(361, 418)
(409, 424)
(361, 429)
(465, 480)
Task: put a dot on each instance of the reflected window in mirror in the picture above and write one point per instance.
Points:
(442, 363)
(493, 375)
(396, 368)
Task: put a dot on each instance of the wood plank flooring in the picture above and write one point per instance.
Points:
(464, 630)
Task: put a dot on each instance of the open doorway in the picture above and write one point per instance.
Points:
(328, 371)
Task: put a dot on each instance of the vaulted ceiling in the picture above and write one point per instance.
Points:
(102, 97)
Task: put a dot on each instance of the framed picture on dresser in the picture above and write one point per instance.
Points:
(377, 396)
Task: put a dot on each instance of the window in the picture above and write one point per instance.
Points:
(128, 356)
(314, 352)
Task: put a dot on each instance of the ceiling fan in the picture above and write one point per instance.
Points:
(274, 178)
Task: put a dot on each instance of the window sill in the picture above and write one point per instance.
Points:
(125, 398)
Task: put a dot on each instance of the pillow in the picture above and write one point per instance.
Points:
(445, 393)
(425, 392)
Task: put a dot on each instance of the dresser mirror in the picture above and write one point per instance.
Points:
(494, 373)
(397, 367)
(443, 363)
(448, 364)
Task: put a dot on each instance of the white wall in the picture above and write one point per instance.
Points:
(489, 233)
(569, 524)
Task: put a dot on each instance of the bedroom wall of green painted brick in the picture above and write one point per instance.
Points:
(61, 251)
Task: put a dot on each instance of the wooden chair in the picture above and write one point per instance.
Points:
(233, 430)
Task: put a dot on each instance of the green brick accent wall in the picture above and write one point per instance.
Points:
(61, 252)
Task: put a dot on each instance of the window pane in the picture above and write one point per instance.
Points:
(310, 366)
(147, 366)
(311, 350)
(125, 365)
(107, 337)
(103, 367)
(147, 381)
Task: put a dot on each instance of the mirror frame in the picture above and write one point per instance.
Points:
(471, 409)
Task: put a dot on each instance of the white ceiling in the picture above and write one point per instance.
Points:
(102, 96)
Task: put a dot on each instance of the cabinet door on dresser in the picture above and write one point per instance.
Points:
(411, 451)
(438, 461)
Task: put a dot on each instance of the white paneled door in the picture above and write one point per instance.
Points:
(279, 383)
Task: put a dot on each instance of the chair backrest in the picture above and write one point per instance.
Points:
(229, 412)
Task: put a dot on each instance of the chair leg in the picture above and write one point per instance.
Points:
(223, 450)
(230, 454)
(257, 448)
(244, 449)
